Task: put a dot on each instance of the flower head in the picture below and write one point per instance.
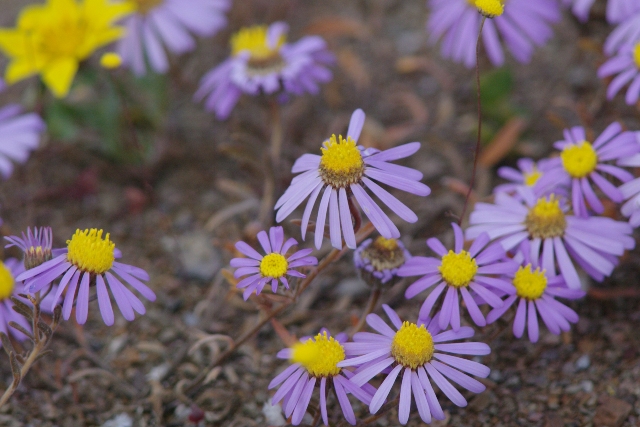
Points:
(263, 62)
(341, 172)
(316, 360)
(530, 174)
(19, 135)
(35, 245)
(543, 225)
(626, 66)
(159, 24)
(457, 22)
(272, 267)
(51, 39)
(583, 163)
(378, 260)
(89, 261)
(536, 292)
(416, 352)
(468, 273)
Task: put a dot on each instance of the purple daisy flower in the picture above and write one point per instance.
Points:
(9, 287)
(530, 174)
(263, 62)
(343, 170)
(536, 291)
(377, 261)
(416, 350)
(316, 359)
(626, 33)
(87, 261)
(35, 245)
(19, 135)
(272, 267)
(626, 64)
(542, 225)
(523, 26)
(157, 24)
(583, 162)
(459, 271)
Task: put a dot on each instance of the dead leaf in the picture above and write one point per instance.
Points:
(337, 26)
(502, 143)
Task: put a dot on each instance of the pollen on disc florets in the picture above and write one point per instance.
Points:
(384, 254)
(341, 164)
(546, 218)
(579, 160)
(263, 58)
(35, 256)
(490, 8)
(319, 355)
(88, 251)
(458, 269)
(412, 345)
(7, 282)
(530, 284)
(531, 178)
(636, 55)
(273, 265)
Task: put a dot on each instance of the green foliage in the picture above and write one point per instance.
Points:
(115, 114)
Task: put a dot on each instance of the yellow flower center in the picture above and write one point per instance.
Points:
(636, 54)
(386, 244)
(145, 6)
(273, 265)
(490, 8)
(530, 284)
(61, 38)
(546, 219)
(458, 269)
(530, 178)
(341, 164)
(7, 282)
(319, 355)
(88, 251)
(384, 254)
(579, 160)
(412, 345)
(36, 255)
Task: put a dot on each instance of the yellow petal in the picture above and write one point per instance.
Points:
(13, 42)
(19, 69)
(59, 74)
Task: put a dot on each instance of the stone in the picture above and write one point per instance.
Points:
(199, 259)
(611, 412)
(583, 362)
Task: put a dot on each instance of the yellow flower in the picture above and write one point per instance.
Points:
(51, 39)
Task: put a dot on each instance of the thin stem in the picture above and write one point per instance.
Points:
(272, 166)
(371, 305)
(326, 261)
(39, 343)
(477, 152)
(33, 356)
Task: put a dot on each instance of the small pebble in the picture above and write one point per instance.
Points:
(583, 362)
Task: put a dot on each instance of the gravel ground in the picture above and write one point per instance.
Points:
(179, 214)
